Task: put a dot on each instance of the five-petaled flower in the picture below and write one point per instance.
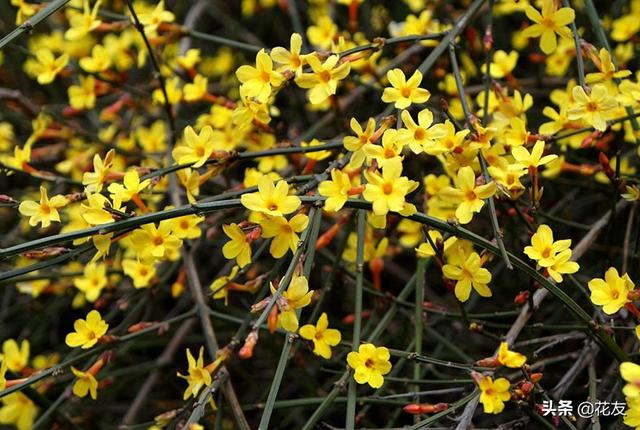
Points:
(493, 394)
(468, 272)
(88, 331)
(296, 296)
(549, 22)
(469, 196)
(387, 191)
(197, 147)
(271, 199)
(323, 80)
(258, 81)
(45, 211)
(404, 92)
(595, 108)
(322, 336)
(611, 292)
(284, 233)
(370, 364)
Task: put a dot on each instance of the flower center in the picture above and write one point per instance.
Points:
(389, 153)
(546, 252)
(369, 363)
(158, 240)
(419, 134)
(324, 76)
(405, 92)
(387, 188)
(265, 76)
(591, 107)
(548, 22)
(470, 195)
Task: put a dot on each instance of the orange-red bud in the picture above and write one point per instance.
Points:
(425, 408)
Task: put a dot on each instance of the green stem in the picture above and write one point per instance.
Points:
(357, 325)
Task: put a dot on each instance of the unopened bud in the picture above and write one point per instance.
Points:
(249, 343)
(521, 298)
(46, 253)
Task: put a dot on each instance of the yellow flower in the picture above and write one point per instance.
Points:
(296, 296)
(468, 196)
(129, 189)
(543, 248)
(451, 141)
(336, 190)
(174, 92)
(186, 227)
(98, 61)
(46, 66)
(87, 332)
(238, 247)
(356, 143)
(151, 20)
(81, 24)
(533, 159)
(25, 10)
(250, 110)
(594, 108)
(425, 250)
(197, 147)
(322, 34)
(291, 60)
(284, 233)
(632, 194)
(324, 77)
(607, 69)
(258, 81)
(404, 92)
(93, 181)
(370, 364)
(190, 180)
(83, 96)
(611, 292)
(550, 22)
(630, 372)
(3, 373)
(219, 286)
(21, 156)
(18, 410)
(271, 199)
(45, 211)
(155, 242)
(502, 64)
(195, 90)
(13, 357)
(510, 358)
(632, 415)
(93, 281)
(562, 265)
(198, 376)
(493, 394)
(141, 273)
(468, 272)
(390, 149)
(86, 384)
(423, 135)
(387, 191)
(94, 213)
(323, 337)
